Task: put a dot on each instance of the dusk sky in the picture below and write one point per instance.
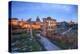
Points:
(60, 12)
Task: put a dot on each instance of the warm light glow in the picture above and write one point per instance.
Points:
(27, 25)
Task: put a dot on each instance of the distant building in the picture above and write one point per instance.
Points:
(71, 23)
(13, 21)
(74, 25)
(25, 24)
(49, 26)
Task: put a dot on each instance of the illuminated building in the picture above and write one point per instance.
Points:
(49, 26)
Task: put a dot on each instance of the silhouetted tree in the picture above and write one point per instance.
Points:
(37, 19)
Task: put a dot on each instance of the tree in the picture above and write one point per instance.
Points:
(37, 19)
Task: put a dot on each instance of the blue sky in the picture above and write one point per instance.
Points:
(60, 12)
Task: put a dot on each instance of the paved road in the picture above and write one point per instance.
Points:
(47, 44)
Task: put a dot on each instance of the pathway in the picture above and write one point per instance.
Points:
(47, 44)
